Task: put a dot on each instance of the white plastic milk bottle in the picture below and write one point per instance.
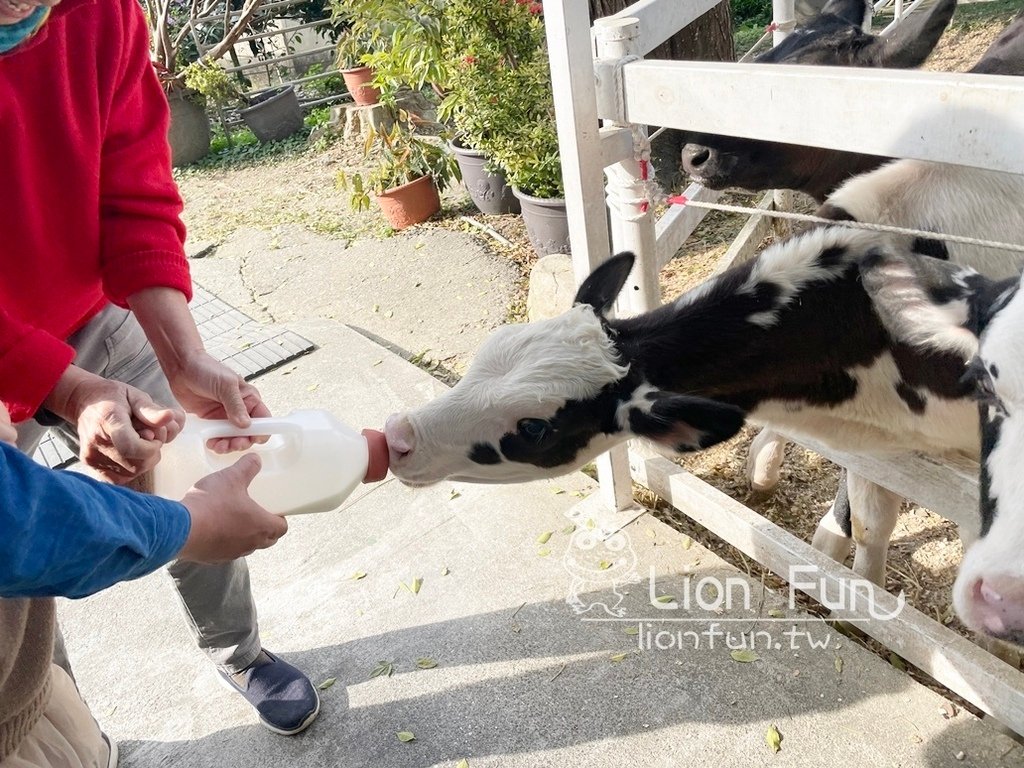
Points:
(311, 462)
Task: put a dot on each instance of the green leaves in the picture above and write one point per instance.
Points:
(327, 683)
(406, 736)
(383, 668)
(744, 655)
(773, 738)
(426, 663)
(358, 575)
(412, 588)
(545, 537)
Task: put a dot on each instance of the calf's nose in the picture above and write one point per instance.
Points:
(996, 602)
(400, 435)
(695, 158)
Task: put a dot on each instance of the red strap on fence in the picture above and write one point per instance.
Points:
(677, 200)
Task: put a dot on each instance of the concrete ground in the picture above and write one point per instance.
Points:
(520, 678)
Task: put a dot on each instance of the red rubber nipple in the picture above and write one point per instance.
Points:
(377, 466)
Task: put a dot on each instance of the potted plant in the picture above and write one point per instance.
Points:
(170, 26)
(407, 174)
(482, 42)
(271, 115)
(505, 108)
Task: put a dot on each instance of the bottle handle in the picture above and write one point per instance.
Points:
(212, 429)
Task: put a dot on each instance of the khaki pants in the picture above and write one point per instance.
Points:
(217, 601)
(67, 735)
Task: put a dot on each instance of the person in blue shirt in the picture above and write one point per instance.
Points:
(65, 534)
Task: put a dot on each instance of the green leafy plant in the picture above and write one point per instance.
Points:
(400, 39)
(209, 79)
(398, 156)
(498, 90)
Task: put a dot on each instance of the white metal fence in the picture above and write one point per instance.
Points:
(606, 95)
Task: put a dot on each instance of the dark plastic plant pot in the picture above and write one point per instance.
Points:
(410, 203)
(358, 81)
(546, 223)
(488, 190)
(274, 114)
(189, 132)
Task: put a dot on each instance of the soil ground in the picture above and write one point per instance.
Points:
(302, 189)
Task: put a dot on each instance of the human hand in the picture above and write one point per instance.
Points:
(211, 390)
(226, 522)
(120, 429)
(8, 434)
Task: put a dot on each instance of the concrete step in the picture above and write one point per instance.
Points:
(521, 679)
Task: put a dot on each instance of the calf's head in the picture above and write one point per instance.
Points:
(947, 308)
(833, 38)
(545, 398)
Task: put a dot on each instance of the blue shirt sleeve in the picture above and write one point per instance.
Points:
(64, 534)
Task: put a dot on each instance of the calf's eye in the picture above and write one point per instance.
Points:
(533, 429)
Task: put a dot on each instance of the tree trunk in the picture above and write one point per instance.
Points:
(708, 38)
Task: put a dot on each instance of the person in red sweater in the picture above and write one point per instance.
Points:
(96, 338)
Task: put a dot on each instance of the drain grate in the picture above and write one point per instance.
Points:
(242, 343)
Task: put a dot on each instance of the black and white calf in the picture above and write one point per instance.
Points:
(937, 307)
(789, 339)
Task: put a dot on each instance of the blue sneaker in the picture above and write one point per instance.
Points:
(284, 698)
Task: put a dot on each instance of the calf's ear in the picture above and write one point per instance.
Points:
(684, 423)
(852, 11)
(923, 301)
(604, 283)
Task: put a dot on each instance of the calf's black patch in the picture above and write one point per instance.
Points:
(484, 453)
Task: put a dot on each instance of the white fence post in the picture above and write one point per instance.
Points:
(783, 19)
(632, 216)
(570, 53)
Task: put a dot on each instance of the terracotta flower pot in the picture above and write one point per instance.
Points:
(410, 203)
(358, 83)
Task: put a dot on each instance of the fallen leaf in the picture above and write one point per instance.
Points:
(385, 668)
(376, 308)
(327, 683)
(389, 313)
(376, 363)
(557, 491)
(358, 575)
(416, 584)
(543, 551)
(312, 387)
(687, 542)
(618, 657)
(463, 763)
(454, 495)
(426, 663)
(775, 613)
(604, 565)
(569, 529)
(839, 664)
(897, 662)
(590, 523)
(632, 630)
(406, 736)
(545, 537)
(580, 494)
(665, 598)
(445, 571)
(419, 244)
(744, 655)
(773, 738)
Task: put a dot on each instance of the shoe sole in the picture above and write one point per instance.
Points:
(270, 727)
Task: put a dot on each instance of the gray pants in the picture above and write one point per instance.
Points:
(217, 600)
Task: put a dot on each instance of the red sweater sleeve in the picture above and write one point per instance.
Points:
(29, 356)
(142, 235)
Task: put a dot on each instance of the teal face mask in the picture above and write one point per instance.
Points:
(13, 35)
